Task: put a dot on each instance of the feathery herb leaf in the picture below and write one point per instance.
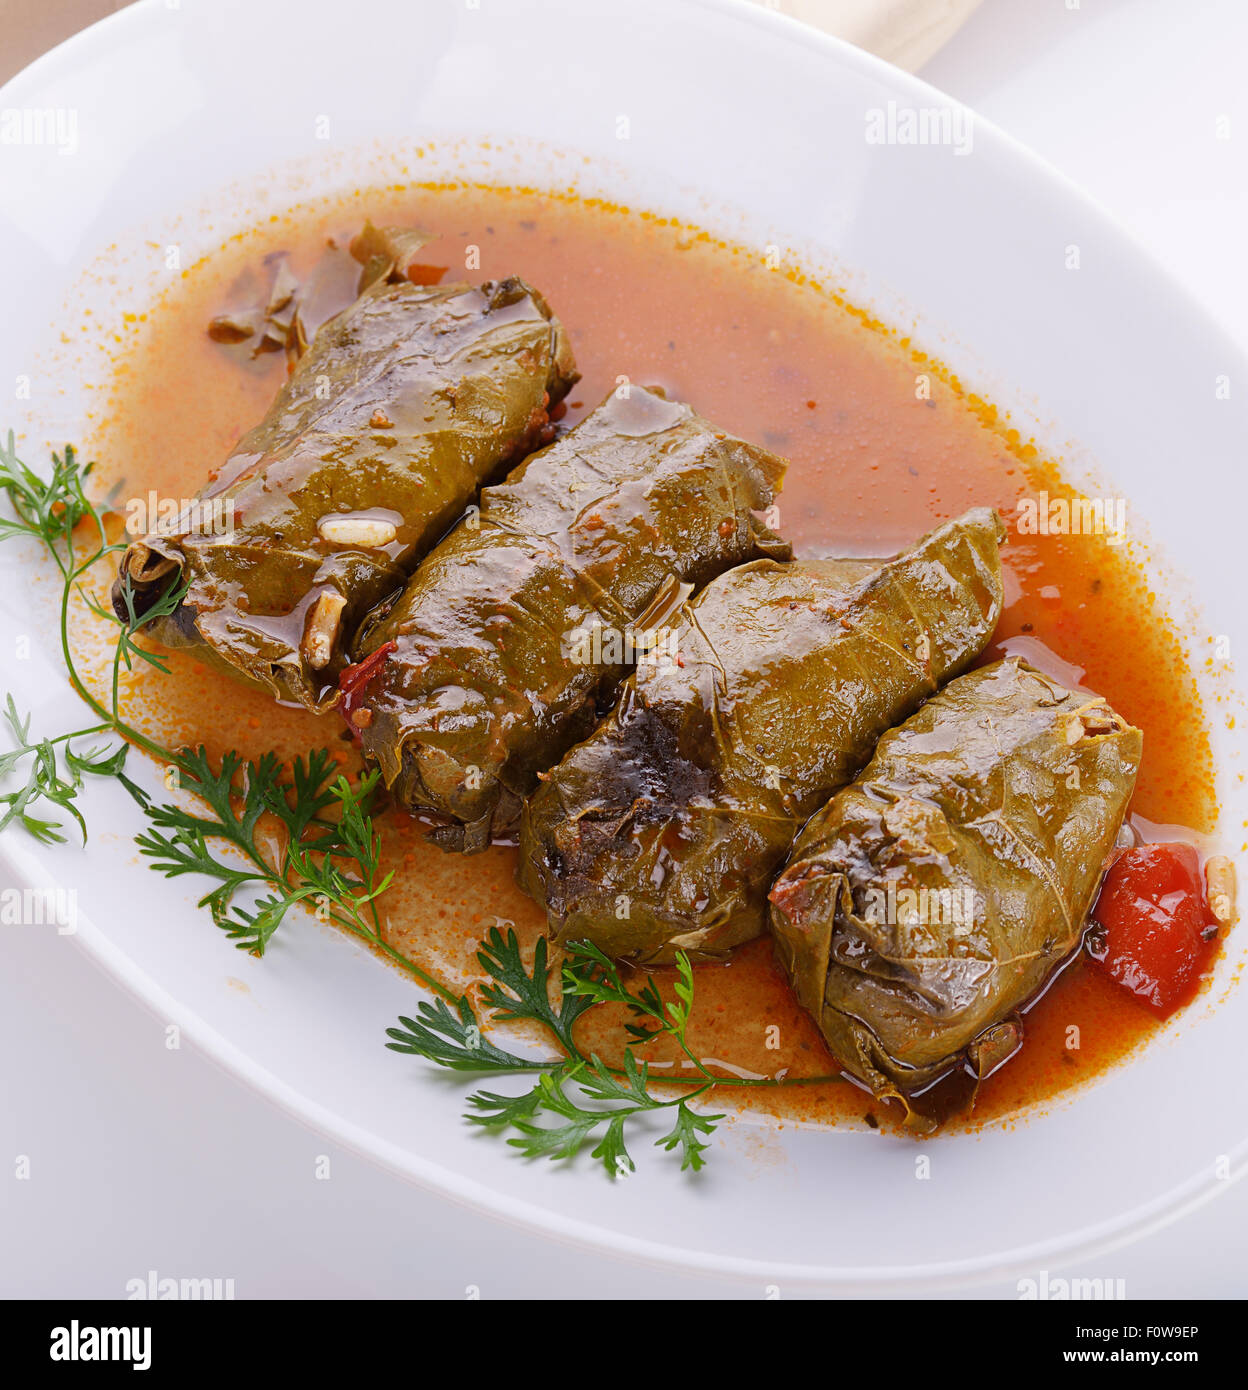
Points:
(576, 1099)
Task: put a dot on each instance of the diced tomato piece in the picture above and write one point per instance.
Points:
(1157, 934)
(425, 274)
(353, 682)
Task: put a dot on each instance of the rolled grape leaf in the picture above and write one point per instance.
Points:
(496, 657)
(404, 404)
(663, 830)
(932, 898)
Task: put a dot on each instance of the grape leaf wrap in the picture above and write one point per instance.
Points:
(924, 904)
(662, 831)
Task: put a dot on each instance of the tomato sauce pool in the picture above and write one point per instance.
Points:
(883, 444)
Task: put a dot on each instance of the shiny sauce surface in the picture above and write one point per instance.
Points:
(883, 444)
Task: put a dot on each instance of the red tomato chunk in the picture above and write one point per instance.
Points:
(1157, 934)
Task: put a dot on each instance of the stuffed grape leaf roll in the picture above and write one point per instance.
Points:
(663, 830)
(929, 900)
(403, 405)
(492, 662)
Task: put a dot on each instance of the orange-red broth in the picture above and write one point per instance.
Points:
(883, 443)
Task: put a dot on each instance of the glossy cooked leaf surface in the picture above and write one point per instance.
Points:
(494, 671)
(402, 407)
(664, 829)
(929, 900)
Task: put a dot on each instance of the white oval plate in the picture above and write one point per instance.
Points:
(191, 120)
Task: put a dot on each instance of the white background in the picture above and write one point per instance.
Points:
(142, 1158)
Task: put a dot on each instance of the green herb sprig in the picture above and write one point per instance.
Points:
(576, 1098)
(45, 779)
(330, 856)
(49, 511)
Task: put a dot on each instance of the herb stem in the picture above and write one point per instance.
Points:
(356, 927)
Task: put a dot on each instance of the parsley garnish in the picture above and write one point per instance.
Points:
(45, 780)
(576, 1098)
(330, 855)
